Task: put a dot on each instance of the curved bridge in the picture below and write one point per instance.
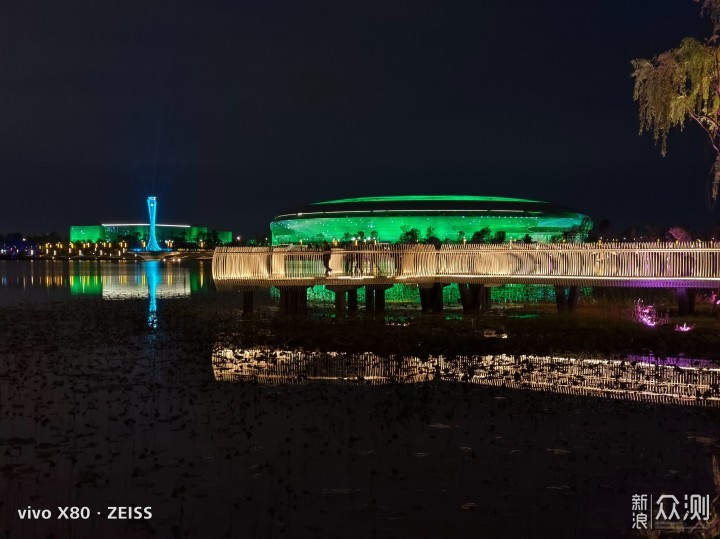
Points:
(648, 265)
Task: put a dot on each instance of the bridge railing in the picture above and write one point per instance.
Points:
(231, 263)
(593, 260)
(411, 261)
(590, 262)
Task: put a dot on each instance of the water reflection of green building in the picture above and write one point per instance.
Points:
(400, 294)
(150, 279)
(124, 281)
(85, 285)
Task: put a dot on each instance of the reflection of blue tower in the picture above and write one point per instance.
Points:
(153, 277)
(152, 244)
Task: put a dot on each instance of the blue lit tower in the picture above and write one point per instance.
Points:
(152, 244)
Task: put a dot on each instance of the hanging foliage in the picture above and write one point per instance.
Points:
(682, 84)
(712, 9)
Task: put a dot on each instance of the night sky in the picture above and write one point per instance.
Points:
(233, 112)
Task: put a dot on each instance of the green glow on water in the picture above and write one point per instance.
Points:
(512, 294)
(408, 295)
(426, 198)
(83, 284)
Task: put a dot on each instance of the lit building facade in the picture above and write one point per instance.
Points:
(116, 231)
(450, 217)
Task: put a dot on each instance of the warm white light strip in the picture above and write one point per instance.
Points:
(303, 214)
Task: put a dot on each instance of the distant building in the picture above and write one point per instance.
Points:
(115, 232)
(449, 218)
(152, 236)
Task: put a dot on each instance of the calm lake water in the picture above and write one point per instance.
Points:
(131, 384)
(52, 280)
(666, 380)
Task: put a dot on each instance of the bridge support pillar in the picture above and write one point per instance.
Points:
(425, 303)
(375, 297)
(469, 296)
(432, 298)
(369, 299)
(340, 302)
(475, 297)
(566, 301)
(573, 296)
(485, 297)
(380, 298)
(341, 293)
(293, 299)
(686, 301)
(437, 297)
(352, 300)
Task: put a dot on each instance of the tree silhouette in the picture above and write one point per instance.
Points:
(498, 237)
(481, 236)
(409, 235)
(431, 237)
(681, 84)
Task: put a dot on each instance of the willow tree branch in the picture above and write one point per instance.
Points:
(699, 120)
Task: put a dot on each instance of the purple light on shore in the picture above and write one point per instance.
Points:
(648, 314)
(647, 322)
(678, 361)
(645, 313)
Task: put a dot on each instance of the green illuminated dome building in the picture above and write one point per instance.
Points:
(450, 217)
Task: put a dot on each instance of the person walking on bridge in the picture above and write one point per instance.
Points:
(326, 258)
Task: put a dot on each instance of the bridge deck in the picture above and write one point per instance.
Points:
(648, 265)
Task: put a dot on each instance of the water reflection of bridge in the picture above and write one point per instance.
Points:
(641, 378)
(683, 266)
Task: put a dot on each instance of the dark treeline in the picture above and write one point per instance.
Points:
(602, 230)
(19, 245)
(20, 241)
(605, 230)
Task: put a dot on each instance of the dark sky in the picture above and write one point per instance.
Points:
(233, 112)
